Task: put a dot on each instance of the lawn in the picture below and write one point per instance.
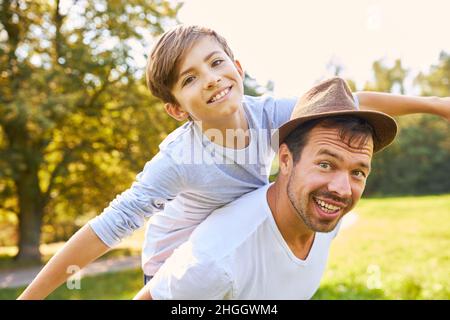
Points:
(398, 248)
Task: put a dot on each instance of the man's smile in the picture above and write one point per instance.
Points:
(328, 210)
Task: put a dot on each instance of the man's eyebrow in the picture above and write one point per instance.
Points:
(338, 157)
(207, 57)
(329, 153)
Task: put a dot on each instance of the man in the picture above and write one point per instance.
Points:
(273, 243)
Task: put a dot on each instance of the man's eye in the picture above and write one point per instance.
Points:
(359, 174)
(324, 165)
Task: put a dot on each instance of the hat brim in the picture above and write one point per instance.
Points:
(385, 127)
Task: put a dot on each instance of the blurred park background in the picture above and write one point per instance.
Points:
(77, 123)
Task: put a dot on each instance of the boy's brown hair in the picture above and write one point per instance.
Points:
(162, 65)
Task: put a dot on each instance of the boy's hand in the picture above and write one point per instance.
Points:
(445, 108)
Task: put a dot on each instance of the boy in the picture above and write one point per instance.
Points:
(204, 164)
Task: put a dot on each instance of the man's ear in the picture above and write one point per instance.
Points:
(285, 161)
(239, 68)
(176, 112)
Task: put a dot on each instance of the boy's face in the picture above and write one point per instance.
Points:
(209, 86)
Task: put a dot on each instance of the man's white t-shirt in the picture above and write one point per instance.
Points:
(239, 253)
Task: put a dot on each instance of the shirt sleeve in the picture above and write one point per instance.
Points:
(282, 110)
(159, 182)
(189, 276)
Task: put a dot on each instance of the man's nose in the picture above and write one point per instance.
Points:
(340, 185)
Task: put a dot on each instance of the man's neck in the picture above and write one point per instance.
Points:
(297, 235)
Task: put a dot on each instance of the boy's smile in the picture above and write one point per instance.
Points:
(218, 96)
(209, 86)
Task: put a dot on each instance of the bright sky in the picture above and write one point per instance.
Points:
(291, 41)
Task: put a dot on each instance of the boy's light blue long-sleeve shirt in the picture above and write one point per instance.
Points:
(188, 179)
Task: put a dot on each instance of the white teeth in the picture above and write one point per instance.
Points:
(327, 207)
(220, 95)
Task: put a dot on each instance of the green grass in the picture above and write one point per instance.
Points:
(397, 249)
(111, 286)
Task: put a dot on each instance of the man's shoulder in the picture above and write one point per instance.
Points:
(189, 274)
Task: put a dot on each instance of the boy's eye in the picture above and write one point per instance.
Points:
(217, 62)
(187, 80)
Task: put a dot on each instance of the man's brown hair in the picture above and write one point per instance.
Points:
(353, 131)
(162, 65)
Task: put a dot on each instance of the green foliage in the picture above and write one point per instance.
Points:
(253, 88)
(418, 162)
(76, 120)
(437, 81)
(388, 78)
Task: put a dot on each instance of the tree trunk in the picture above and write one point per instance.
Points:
(30, 217)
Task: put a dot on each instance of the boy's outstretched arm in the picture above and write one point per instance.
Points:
(81, 249)
(144, 293)
(398, 105)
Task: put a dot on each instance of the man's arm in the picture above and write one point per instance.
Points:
(82, 248)
(398, 105)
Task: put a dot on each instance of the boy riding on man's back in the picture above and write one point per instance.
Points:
(206, 163)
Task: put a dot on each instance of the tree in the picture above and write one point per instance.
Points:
(253, 88)
(418, 161)
(74, 111)
(437, 81)
(387, 79)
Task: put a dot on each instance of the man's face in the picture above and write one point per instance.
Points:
(329, 179)
(209, 85)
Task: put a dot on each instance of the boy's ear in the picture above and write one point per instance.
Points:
(176, 112)
(239, 68)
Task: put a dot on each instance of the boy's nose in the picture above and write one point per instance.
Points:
(212, 81)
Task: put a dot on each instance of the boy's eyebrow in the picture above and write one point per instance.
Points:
(205, 59)
(338, 157)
